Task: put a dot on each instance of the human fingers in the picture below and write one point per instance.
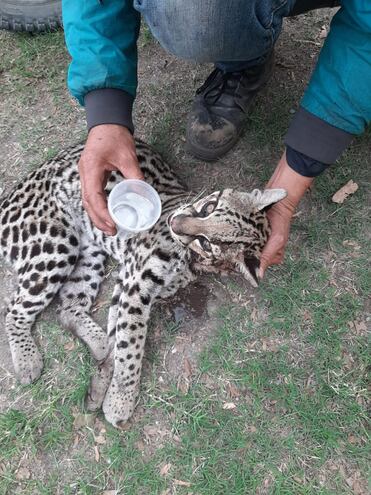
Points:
(93, 179)
(126, 158)
(272, 254)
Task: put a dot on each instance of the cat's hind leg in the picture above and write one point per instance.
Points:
(102, 377)
(78, 295)
(39, 280)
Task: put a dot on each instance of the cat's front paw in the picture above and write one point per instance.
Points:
(119, 403)
(99, 384)
(28, 368)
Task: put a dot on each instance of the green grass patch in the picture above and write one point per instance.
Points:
(277, 401)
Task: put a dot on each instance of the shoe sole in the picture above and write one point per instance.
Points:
(208, 155)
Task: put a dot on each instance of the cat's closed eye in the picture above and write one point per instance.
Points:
(204, 243)
(207, 209)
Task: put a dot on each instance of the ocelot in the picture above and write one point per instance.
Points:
(55, 250)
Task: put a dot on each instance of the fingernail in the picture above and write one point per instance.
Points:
(261, 273)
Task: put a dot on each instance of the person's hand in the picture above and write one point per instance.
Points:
(281, 213)
(279, 216)
(108, 147)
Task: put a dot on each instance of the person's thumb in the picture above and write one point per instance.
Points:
(269, 256)
(264, 262)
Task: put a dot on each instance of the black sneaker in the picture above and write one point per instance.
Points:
(220, 109)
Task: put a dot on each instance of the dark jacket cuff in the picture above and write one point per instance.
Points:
(109, 106)
(303, 164)
(316, 138)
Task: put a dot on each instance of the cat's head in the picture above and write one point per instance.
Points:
(227, 229)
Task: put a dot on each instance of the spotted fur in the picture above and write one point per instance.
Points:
(55, 250)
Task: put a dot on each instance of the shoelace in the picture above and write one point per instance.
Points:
(219, 83)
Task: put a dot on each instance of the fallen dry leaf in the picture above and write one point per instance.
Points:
(140, 445)
(254, 315)
(355, 485)
(229, 405)
(150, 431)
(69, 346)
(251, 429)
(165, 469)
(352, 244)
(232, 391)
(352, 439)
(96, 453)
(187, 368)
(359, 327)
(341, 195)
(298, 480)
(183, 385)
(267, 482)
(23, 474)
(307, 316)
(181, 483)
(100, 439)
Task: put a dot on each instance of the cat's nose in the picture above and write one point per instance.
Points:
(177, 223)
(187, 225)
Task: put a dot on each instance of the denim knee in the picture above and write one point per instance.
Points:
(212, 30)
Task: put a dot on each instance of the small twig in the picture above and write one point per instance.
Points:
(308, 41)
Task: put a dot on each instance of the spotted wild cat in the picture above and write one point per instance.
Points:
(55, 250)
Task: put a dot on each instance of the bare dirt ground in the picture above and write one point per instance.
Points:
(79, 454)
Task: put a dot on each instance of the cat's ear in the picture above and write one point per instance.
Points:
(249, 265)
(262, 199)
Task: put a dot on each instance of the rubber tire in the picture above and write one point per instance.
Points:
(34, 16)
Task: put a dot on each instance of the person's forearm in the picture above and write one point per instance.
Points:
(337, 102)
(286, 178)
(280, 214)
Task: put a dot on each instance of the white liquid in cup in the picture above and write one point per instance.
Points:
(134, 211)
(126, 215)
(134, 206)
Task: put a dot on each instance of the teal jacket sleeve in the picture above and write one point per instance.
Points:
(101, 36)
(337, 103)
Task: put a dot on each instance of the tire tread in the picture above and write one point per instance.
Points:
(30, 25)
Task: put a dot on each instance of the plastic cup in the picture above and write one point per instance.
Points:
(134, 206)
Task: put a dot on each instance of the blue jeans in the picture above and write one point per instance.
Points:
(234, 34)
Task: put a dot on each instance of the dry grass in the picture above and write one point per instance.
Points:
(265, 392)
